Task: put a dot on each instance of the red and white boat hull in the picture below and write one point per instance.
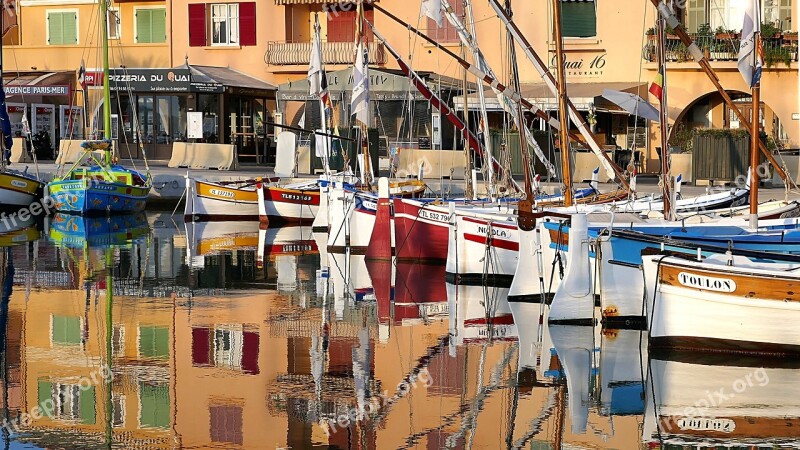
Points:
(288, 205)
(482, 250)
(421, 231)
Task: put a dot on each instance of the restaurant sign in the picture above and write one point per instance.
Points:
(53, 91)
(151, 80)
(582, 64)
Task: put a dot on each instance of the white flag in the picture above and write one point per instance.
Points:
(315, 66)
(433, 9)
(749, 59)
(359, 104)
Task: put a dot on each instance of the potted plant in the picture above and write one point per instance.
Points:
(704, 39)
(770, 31)
(723, 34)
(790, 36)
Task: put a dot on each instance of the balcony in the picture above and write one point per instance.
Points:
(778, 51)
(297, 53)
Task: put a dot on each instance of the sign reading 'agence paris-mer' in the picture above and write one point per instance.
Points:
(56, 90)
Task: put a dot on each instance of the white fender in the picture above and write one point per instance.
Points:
(574, 299)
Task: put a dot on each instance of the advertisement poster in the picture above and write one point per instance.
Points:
(71, 122)
(43, 120)
(16, 111)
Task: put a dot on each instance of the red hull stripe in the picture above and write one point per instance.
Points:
(499, 243)
(494, 224)
(507, 319)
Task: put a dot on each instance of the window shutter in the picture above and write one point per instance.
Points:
(197, 24)
(447, 33)
(247, 23)
(70, 28)
(158, 24)
(144, 27)
(55, 29)
(695, 15)
(578, 19)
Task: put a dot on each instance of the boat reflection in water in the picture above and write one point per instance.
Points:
(702, 400)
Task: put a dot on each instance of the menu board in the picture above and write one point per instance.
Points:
(43, 119)
(71, 122)
(16, 111)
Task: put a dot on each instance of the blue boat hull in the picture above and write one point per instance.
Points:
(98, 198)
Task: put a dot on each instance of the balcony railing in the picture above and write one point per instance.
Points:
(777, 51)
(297, 53)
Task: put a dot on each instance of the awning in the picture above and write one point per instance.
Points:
(234, 82)
(584, 96)
(48, 84)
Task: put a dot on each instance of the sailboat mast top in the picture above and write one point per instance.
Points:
(106, 84)
(566, 166)
(666, 179)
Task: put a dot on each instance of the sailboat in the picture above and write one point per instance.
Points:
(103, 187)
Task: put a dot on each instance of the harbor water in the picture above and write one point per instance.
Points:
(145, 332)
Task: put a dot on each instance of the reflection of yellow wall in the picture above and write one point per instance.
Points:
(52, 354)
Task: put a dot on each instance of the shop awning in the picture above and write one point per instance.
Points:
(583, 95)
(48, 84)
(234, 82)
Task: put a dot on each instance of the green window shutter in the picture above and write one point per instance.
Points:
(154, 401)
(87, 406)
(46, 397)
(66, 330)
(55, 28)
(158, 23)
(579, 19)
(154, 342)
(695, 15)
(144, 28)
(70, 28)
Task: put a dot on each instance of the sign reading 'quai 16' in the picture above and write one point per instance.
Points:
(707, 283)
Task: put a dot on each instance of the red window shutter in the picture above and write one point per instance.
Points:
(342, 26)
(247, 23)
(197, 24)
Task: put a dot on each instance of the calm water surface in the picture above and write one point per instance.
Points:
(146, 333)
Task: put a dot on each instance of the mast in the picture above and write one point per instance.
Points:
(109, 377)
(322, 83)
(698, 56)
(666, 178)
(562, 106)
(364, 127)
(526, 205)
(754, 134)
(612, 170)
(469, 186)
(483, 125)
(106, 83)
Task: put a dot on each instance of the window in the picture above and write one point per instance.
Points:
(342, 25)
(778, 12)
(113, 23)
(65, 330)
(154, 406)
(226, 423)
(230, 24)
(67, 401)
(154, 342)
(695, 15)
(225, 24)
(62, 27)
(578, 18)
(151, 25)
(447, 34)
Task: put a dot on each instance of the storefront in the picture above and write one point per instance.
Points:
(149, 109)
(402, 116)
(47, 102)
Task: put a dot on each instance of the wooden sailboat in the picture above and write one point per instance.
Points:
(103, 187)
(233, 200)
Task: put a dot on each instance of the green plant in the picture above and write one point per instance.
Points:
(651, 31)
(682, 138)
(704, 30)
(769, 30)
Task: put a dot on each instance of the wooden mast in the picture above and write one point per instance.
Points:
(106, 83)
(562, 106)
(666, 178)
(754, 135)
(526, 205)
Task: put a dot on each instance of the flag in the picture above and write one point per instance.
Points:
(317, 78)
(82, 75)
(657, 87)
(359, 103)
(9, 15)
(433, 9)
(751, 54)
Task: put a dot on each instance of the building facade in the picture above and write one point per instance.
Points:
(254, 47)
